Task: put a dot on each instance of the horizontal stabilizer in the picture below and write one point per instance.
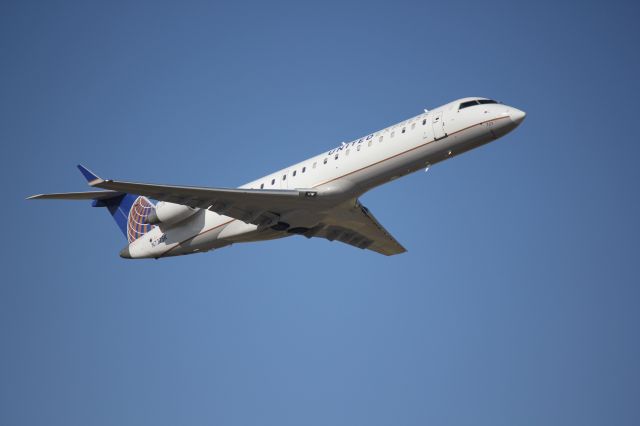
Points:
(90, 195)
(128, 210)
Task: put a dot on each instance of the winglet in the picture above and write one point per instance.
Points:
(91, 177)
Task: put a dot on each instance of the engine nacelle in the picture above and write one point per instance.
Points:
(169, 213)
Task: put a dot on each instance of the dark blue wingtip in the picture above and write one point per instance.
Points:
(88, 174)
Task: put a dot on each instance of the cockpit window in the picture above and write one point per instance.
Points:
(468, 104)
(476, 102)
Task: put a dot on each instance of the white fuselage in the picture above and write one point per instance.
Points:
(342, 174)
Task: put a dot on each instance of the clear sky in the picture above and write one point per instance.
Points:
(516, 304)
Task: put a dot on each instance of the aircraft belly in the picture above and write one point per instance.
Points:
(236, 229)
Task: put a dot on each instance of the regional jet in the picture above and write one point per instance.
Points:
(317, 197)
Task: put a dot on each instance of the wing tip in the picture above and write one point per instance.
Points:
(395, 253)
(91, 177)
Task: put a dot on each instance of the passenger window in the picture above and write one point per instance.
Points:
(314, 164)
(424, 121)
(304, 169)
(284, 177)
(273, 181)
(404, 129)
(324, 161)
(294, 172)
(262, 186)
(358, 148)
(336, 157)
(380, 139)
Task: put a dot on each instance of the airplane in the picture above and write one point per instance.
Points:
(317, 197)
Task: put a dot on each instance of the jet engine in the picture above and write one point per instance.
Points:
(169, 213)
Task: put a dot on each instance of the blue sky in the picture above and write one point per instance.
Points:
(517, 302)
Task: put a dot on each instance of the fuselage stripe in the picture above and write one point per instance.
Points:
(346, 174)
(404, 152)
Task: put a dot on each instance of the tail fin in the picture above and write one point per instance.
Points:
(129, 211)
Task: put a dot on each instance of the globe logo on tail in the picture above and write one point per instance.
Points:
(137, 224)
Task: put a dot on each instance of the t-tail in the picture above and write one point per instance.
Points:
(128, 210)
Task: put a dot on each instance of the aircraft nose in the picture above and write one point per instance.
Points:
(125, 253)
(517, 116)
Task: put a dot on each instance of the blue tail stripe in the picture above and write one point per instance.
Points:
(119, 210)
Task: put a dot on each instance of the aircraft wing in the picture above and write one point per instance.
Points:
(356, 226)
(351, 224)
(257, 206)
(90, 195)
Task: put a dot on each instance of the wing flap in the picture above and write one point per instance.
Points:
(357, 227)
